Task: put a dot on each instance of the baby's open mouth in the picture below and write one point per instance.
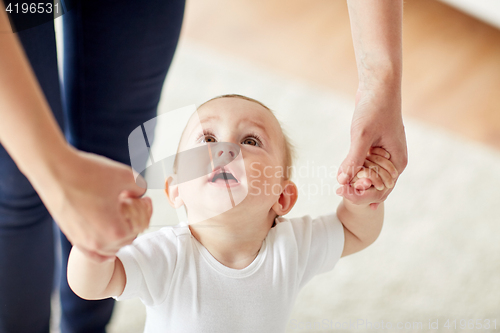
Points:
(223, 176)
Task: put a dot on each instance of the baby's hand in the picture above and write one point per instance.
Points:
(137, 212)
(378, 171)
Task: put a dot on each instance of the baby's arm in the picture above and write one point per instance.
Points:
(94, 280)
(362, 223)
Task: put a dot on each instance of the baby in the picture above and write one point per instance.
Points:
(236, 265)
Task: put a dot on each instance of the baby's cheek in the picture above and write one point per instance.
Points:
(189, 189)
(254, 176)
(261, 185)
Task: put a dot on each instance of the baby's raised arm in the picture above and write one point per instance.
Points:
(93, 280)
(363, 222)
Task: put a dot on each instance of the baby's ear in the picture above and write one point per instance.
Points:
(287, 199)
(172, 191)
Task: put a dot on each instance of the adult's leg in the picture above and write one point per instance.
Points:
(117, 54)
(26, 227)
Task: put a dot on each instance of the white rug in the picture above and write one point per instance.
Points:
(438, 257)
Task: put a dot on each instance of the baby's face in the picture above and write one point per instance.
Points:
(253, 180)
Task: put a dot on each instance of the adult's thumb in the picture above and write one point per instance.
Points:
(137, 186)
(354, 160)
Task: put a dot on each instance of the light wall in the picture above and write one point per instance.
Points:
(485, 10)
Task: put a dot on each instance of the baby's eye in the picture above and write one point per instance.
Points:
(208, 139)
(251, 141)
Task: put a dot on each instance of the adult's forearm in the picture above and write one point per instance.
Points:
(377, 38)
(28, 130)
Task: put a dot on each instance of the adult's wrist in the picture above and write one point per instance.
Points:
(380, 77)
(50, 165)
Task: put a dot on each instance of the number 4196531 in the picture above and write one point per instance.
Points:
(471, 324)
(33, 8)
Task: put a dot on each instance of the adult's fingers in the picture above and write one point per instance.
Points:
(354, 161)
(399, 154)
(143, 211)
(385, 164)
(137, 213)
(380, 177)
(380, 151)
(400, 161)
(147, 212)
(136, 187)
(362, 183)
(128, 240)
(127, 213)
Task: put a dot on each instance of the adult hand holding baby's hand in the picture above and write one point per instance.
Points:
(376, 179)
(377, 122)
(136, 212)
(88, 196)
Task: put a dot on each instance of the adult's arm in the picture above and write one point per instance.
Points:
(82, 191)
(376, 27)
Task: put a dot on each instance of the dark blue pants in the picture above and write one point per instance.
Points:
(117, 54)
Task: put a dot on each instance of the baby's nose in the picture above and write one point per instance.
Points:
(225, 151)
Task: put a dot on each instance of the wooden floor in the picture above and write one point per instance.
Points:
(451, 69)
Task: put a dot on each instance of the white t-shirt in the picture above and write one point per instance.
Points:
(185, 289)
